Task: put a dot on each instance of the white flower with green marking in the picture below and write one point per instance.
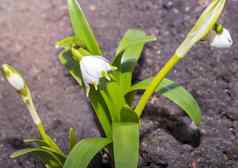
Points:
(202, 27)
(220, 40)
(13, 77)
(93, 68)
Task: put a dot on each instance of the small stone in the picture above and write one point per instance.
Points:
(92, 7)
(169, 5)
(187, 8)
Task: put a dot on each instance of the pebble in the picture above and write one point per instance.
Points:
(169, 5)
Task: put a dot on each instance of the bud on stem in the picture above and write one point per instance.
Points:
(16, 80)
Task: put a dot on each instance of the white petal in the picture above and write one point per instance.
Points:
(88, 72)
(87, 77)
(16, 81)
(222, 40)
(92, 67)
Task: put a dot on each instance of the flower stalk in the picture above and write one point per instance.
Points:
(31, 107)
(202, 27)
(155, 82)
(16, 80)
(200, 30)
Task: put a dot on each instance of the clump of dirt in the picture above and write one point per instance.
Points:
(28, 33)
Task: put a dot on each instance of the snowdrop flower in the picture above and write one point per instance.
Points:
(220, 40)
(202, 27)
(13, 77)
(93, 68)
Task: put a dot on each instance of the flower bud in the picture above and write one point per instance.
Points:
(220, 40)
(13, 77)
(16, 80)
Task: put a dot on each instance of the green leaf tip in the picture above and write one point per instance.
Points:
(82, 29)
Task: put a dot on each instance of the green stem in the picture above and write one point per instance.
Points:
(47, 139)
(155, 82)
(41, 130)
(27, 99)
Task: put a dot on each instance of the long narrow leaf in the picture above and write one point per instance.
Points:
(176, 94)
(82, 29)
(128, 54)
(128, 115)
(131, 38)
(48, 140)
(126, 145)
(84, 152)
(114, 99)
(39, 151)
(72, 138)
(36, 141)
(73, 68)
(101, 110)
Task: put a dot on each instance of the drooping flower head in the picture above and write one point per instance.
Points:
(202, 27)
(220, 39)
(93, 68)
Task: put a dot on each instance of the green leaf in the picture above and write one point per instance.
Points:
(68, 42)
(176, 94)
(84, 151)
(128, 115)
(128, 54)
(131, 38)
(40, 151)
(81, 28)
(73, 67)
(128, 62)
(84, 52)
(36, 141)
(72, 138)
(48, 140)
(60, 154)
(101, 110)
(126, 145)
(114, 99)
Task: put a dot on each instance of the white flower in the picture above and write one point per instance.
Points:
(13, 77)
(220, 40)
(93, 68)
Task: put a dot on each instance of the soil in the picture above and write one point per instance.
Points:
(29, 30)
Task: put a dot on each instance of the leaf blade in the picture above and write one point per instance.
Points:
(72, 138)
(39, 150)
(128, 53)
(114, 99)
(126, 144)
(133, 37)
(82, 29)
(84, 152)
(176, 94)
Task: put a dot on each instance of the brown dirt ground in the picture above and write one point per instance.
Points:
(29, 29)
